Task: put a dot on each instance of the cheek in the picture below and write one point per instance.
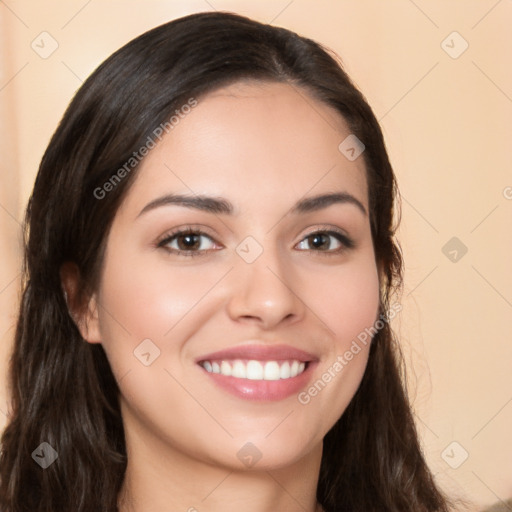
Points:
(158, 302)
(346, 300)
(142, 302)
(151, 311)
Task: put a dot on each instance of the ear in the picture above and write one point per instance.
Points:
(85, 316)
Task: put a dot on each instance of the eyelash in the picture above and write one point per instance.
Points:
(346, 242)
(169, 237)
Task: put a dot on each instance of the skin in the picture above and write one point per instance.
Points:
(262, 147)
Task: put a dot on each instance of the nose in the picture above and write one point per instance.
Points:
(263, 293)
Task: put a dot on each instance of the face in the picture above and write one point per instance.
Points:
(238, 272)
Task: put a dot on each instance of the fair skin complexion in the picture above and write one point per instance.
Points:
(264, 148)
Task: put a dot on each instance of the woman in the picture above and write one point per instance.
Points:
(210, 265)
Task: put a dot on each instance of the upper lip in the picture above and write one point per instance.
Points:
(259, 352)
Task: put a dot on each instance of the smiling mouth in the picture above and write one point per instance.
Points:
(256, 370)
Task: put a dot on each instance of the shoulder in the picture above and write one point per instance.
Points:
(503, 506)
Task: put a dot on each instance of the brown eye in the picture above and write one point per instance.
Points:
(319, 241)
(325, 241)
(188, 242)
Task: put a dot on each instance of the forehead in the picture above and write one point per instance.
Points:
(270, 139)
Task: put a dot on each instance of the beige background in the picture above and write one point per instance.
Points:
(447, 125)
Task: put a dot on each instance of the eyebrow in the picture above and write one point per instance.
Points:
(219, 205)
(197, 202)
(321, 201)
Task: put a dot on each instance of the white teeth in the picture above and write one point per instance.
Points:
(284, 371)
(239, 370)
(225, 368)
(256, 370)
(271, 371)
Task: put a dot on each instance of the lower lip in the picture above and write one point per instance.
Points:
(262, 390)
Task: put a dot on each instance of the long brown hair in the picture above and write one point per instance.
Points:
(63, 391)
